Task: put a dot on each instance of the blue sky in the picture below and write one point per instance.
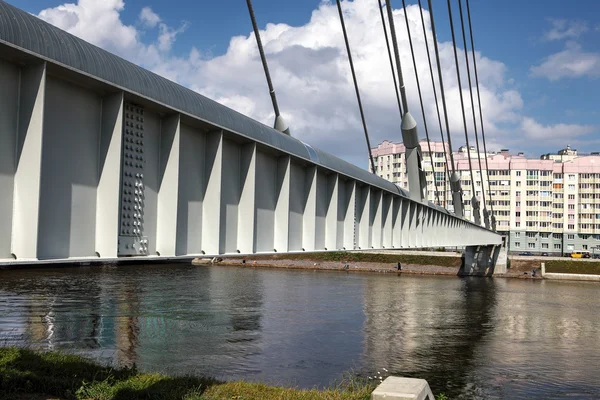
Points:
(540, 63)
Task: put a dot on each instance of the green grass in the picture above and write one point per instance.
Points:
(341, 256)
(26, 373)
(573, 267)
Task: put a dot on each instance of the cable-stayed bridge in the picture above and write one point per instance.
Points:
(101, 159)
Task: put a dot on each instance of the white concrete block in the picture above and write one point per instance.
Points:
(396, 388)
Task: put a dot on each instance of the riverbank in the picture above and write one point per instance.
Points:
(26, 374)
(447, 264)
(422, 263)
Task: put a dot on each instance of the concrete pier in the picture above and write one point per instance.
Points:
(483, 260)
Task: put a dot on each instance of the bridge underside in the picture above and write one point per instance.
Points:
(90, 169)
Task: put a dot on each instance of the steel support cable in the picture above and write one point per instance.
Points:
(362, 114)
(487, 168)
(264, 63)
(437, 106)
(439, 69)
(412, 52)
(462, 24)
(388, 5)
(387, 43)
(462, 103)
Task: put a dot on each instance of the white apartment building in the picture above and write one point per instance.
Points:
(551, 204)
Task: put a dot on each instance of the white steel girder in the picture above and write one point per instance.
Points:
(90, 170)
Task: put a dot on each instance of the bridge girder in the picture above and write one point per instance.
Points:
(105, 164)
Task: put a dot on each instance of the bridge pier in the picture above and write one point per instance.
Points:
(483, 260)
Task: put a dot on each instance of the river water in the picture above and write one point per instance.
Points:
(469, 337)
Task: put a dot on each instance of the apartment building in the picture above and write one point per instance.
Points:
(550, 204)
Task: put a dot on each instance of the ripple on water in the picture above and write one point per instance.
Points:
(470, 338)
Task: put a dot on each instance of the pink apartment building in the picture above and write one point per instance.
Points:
(550, 204)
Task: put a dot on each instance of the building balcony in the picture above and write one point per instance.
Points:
(589, 180)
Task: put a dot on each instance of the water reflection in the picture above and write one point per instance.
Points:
(149, 318)
(409, 324)
(469, 337)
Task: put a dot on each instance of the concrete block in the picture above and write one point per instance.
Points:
(396, 388)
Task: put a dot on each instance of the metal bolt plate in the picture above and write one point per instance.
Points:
(131, 236)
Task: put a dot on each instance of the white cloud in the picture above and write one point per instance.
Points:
(167, 36)
(149, 18)
(559, 133)
(311, 74)
(572, 62)
(565, 29)
(95, 21)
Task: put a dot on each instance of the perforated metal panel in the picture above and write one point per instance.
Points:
(131, 238)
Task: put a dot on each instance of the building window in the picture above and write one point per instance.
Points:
(584, 247)
(556, 246)
(557, 236)
(571, 206)
(518, 193)
(530, 234)
(531, 245)
(517, 244)
(571, 177)
(517, 234)
(571, 237)
(544, 235)
(518, 183)
(544, 245)
(571, 227)
(571, 197)
(517, 224)
(518, 173)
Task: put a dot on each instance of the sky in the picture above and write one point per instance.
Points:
(538, 64)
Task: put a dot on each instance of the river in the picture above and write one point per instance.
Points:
(469, 337)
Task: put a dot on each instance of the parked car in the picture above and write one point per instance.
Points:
(526, 253)
(580, 254)
(544, 254)
(596, 256)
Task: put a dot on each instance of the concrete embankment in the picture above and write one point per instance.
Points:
(558, 268)
(572, 277)
(386, 262)
(413, 262)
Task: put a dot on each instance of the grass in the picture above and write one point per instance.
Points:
(341, 256)
(573, 267)
(27, 374)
